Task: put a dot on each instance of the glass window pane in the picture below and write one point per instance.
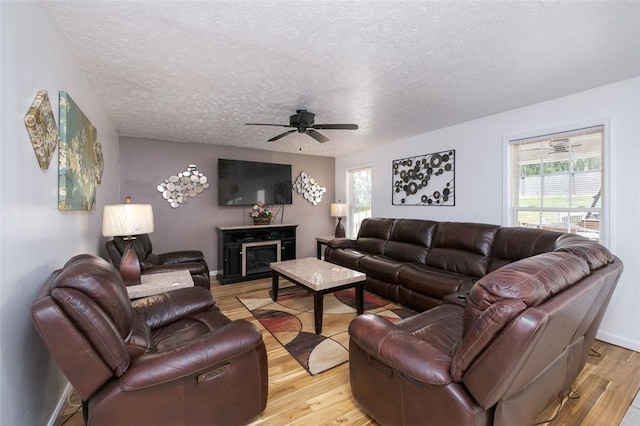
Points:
(529, 219)
(560, 175)
(359, 199)
(557, 191)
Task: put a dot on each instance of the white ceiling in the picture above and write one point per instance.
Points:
(196, 71)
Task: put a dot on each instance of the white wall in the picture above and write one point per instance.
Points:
(480, 172)
(36, 238)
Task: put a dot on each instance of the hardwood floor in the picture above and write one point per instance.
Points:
(607, 384)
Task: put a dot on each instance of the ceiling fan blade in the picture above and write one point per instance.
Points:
(281, 135)
(317, 136)
(336, 126)
(265, 124)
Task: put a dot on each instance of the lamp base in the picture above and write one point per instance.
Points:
(339, 229)
(130, 265)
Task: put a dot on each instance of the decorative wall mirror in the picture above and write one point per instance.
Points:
(307, 186)
(178, 188)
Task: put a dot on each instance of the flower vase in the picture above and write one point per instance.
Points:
(261, 220)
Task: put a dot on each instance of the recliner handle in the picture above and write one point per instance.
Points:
(213, 373)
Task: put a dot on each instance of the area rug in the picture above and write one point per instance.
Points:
(290, 321)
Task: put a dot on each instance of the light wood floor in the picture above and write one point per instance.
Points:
(606, 386)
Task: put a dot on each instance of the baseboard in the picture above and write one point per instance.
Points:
(60, 406)
(617, 340)
(213, 273)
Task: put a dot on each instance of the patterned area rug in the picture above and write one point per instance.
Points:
(290, 321)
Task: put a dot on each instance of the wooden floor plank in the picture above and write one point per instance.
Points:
(607, 384)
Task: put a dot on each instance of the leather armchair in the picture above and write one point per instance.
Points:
(516, 344)
(150, 263)
(171, 359)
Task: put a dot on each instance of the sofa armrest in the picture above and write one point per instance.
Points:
(194, 268)
(165, 308)
(173, 257)
(401, 350)
(343, 243)
(212, 350)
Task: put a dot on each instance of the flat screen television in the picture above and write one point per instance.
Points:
(244, 183)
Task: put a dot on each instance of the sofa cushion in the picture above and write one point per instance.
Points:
(463, 248)
(592, 252)
(405, 252)
(370, 245)
(374, 227)
(410, 240)
(433, 282)
(93, 297)
(515, 243)
(501, 295)
(373, 235)
(381, 267)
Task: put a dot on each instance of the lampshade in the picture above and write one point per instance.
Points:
(339, 209)
(120, 220)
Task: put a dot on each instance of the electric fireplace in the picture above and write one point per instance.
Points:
(257, 256)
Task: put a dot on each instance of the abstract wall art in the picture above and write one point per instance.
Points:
(42, 129)
(77, 162)
(307, 186)
(178, 188)
(424, 180)
(99, 162)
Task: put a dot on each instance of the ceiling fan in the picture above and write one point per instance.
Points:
(302, 121)
(556, 146)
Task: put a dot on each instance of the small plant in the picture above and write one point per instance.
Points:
(260, 210)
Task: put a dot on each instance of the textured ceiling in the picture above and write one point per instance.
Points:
(197, 71)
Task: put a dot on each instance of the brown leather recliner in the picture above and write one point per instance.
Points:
(170, 359)
(150, 263)
(518, 343)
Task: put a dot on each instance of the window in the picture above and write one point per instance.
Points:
(359, 198)
(557, 182)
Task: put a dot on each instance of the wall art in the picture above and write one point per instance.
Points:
(42, 129)
(307, 186)
(99, 162)
(76, 158)
(425, 180)
(178, 188)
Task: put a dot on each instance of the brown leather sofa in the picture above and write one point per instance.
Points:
(517, 343)
(150, 263)
(419, 262)
(510, 315)
(169, 359)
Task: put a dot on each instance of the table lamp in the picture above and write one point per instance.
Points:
(127, 221)
(339, 210)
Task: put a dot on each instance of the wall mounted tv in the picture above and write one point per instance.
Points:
(244, 183)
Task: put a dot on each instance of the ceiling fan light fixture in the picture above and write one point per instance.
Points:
(303, 122)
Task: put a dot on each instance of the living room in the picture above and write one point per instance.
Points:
(36, 238)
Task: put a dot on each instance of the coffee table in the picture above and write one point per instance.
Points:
(318, 277)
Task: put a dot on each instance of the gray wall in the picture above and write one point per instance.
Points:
(35, 237)
(144, 163)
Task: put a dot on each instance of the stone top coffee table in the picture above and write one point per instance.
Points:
(318, 277)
